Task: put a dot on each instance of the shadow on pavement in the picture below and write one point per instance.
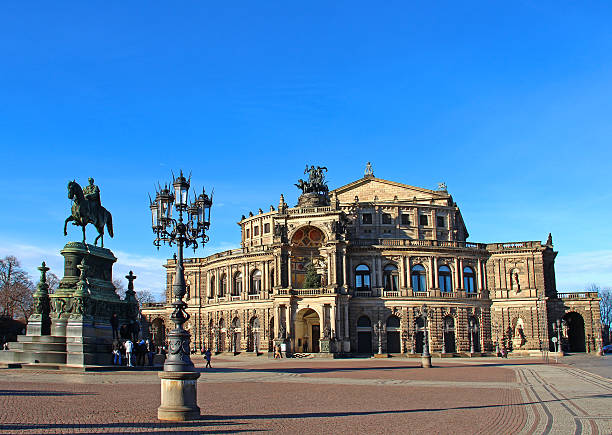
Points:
(42, 393)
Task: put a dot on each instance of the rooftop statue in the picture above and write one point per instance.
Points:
(316, 181)
(87, 209)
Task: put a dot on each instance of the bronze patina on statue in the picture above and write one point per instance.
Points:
(314, 190)
(87, 209)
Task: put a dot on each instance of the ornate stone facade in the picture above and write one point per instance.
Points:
(381, 250)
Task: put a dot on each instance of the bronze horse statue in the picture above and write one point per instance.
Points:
(85, 211)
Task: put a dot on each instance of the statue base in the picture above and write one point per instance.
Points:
(313, 199)
(79, 333)
(179, 396)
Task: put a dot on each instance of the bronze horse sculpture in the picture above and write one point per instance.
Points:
(86, 211)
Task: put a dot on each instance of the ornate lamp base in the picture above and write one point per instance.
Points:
(178, 396)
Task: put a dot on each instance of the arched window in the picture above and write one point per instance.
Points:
(223, 286)
(237, 284)
(364, 322)
(393, 323)
(362, 277)
(212, 291)
(271, 279)
(255, 286)
(188, 290)
(445, 279)
(469, 281)
(418, 277)
(390, 277)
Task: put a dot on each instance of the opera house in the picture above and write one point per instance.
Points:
(351, 270)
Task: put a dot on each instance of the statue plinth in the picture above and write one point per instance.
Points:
(79, 312)
(313, 199)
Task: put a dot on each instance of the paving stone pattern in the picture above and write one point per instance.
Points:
(330, 396)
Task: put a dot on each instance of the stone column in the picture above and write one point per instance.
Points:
(344, 268)
(434, 272)
(432, 276)
(346, 321)
(461, 272)
(479, 275)
(289, 283)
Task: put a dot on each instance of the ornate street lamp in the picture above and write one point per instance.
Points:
(178, 380)
(426, 356)
(471, 334)
(557, 326)
(379, 329)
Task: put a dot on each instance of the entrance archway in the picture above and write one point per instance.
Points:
(253, 338)
(158, 332)
(393, 335)
(419, 334)
(575, 332)
(449, 335)
(364, 335)
(307, 331)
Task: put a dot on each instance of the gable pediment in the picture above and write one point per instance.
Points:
(376, 189)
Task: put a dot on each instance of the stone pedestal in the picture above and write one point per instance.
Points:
(426, 361)
(79, 312)
(178, 396)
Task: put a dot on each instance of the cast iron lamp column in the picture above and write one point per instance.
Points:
(379, 329)
(179, 378)
(426, 356)
(471, 331)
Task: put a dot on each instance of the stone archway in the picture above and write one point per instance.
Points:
(364, 335)
(576, 338)
(419, 334)
(393, 335)
(449, 335)
(158, 332)
(254, 336)
(307, 331)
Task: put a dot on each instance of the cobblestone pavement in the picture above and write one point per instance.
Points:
(320, 396)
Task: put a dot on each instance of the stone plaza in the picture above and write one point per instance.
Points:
(248, 394)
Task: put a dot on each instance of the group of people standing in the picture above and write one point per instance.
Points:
(132, 354)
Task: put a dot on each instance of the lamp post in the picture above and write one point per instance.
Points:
(379, 329)
(471, 334)
(557, 329)
(179, 378)
(426, 356)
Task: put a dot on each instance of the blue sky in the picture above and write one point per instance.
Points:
(508, 103)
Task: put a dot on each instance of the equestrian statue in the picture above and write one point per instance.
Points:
(87, 209)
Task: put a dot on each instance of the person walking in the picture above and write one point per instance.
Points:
(207, 356)
(129, 348)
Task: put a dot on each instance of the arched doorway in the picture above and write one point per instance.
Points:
(307, 331)
(419, 334)
(449, 335)
(474, 333)
(253, 338)
(393, 335)
(235, 337)
(364, 335)
(271, 335)
(574, 324)
(158, 332)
